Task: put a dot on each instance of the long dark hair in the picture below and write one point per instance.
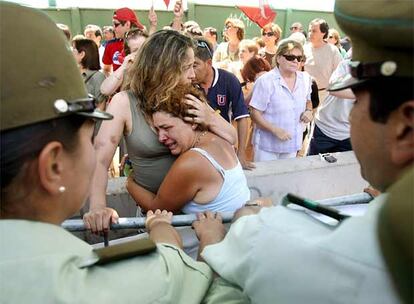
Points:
(91, 59)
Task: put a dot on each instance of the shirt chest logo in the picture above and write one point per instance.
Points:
(116, 58)
(221, 100)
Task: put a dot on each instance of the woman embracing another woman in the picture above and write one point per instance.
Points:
(165, 61)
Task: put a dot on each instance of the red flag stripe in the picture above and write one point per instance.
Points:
(255, 14)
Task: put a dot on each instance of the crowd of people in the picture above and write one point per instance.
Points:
(172, 96)
(219, 62)
(272, 90)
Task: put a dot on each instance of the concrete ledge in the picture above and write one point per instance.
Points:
(308, 176)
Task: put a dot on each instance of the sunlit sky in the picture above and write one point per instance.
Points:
(316, 5)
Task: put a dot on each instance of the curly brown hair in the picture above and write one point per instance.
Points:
(254, 66)
(175, 104)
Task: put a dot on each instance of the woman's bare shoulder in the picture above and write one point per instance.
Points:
(191, 163)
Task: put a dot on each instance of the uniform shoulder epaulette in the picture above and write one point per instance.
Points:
(118, 252)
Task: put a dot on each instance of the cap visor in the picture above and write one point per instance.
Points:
(97, 114)
(345, 82)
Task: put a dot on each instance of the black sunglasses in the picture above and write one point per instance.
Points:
(269, 34)
(116, 24)
(294, 28)
(293, 57)
(203, 44)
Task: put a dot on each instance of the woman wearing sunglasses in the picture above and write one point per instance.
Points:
(335, 39)
(280, 103)
(271, 34)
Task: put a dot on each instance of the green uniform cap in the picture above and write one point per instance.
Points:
(39, 76)
(382, 35)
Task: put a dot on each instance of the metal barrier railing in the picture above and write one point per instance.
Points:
(188, 219)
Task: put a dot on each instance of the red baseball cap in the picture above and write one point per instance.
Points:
(127, 14)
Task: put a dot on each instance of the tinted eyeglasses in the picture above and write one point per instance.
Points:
(268, 34)
(294, 28)
(293, 57)
(204, 45)
(116, 24)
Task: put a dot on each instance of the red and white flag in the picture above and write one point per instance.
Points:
(261, 15)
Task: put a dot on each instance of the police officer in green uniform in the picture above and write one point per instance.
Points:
(47, 162)
(279, 255)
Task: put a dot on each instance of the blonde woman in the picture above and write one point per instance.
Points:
(165, 61)
(247, 49)
(335, 39)
(229, 51)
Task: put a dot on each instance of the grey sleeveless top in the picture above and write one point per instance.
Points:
(150, 159)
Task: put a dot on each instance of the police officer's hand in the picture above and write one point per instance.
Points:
(99, 220)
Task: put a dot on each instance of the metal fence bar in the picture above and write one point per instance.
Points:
(187, 219)
(139, 222)
(358, 198)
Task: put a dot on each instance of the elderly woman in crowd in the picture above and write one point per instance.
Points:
(165, 61)
(280, 103)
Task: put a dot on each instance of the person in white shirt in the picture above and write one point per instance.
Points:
(332, 128)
